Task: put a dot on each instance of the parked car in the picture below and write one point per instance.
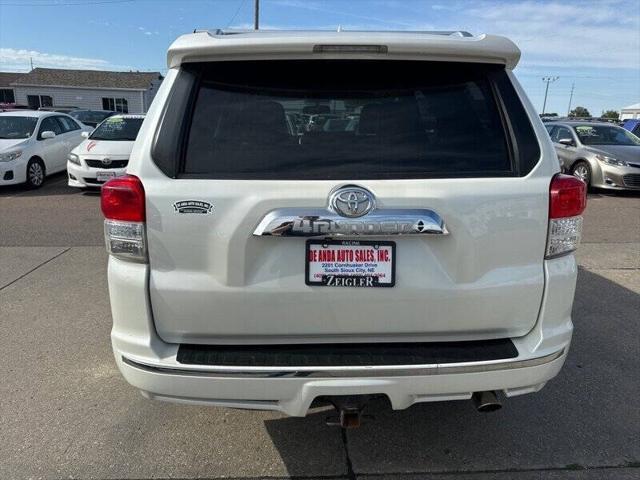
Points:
(600, 154)
(105, 153)
(59, 109)
(91, 117)
(426, 255)
(9, 107)
(633, 125)
(34, 144)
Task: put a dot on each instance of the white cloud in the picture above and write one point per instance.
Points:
(19, 59)
(589, 34)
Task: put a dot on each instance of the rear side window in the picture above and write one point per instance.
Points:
(322, 120)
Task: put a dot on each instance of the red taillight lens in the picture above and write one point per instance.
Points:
(567, 196)
(122, 199)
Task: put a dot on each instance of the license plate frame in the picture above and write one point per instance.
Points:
(103, 176)
(351, 244)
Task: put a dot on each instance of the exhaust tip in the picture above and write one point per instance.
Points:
(486, 401)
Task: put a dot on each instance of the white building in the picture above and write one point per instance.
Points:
(630, 112)
(127, 92)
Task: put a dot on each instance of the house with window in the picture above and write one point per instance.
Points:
(126, 92)
(7, 94)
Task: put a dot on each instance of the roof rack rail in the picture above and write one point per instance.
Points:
(223, 32)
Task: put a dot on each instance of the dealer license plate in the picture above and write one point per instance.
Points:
(350, 263)
(105, 176)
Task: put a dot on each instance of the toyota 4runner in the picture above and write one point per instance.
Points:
(421, 249)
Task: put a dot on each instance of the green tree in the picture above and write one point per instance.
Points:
(611, 114)
(579, 112)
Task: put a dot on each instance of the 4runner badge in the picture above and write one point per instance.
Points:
(193, 206)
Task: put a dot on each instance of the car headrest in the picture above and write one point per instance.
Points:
(390, 119)
(262, 121)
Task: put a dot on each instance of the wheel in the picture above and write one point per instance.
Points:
(35, 173)
(582, 170)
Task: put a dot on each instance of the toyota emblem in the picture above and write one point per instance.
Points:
(106, 161)
(351, 201)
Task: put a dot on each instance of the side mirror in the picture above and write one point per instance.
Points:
(566, 142)
(47, 134)
(85, 134)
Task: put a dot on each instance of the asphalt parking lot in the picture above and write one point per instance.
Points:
(65, 411)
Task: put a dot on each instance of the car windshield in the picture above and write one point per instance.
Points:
(605, 135)
(118, 128)
(90, 116)
(17, 127)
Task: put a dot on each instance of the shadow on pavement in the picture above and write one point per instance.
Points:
(55, 184)
(600, 192)
(587, 416)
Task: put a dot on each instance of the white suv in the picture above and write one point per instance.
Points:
(424, 254)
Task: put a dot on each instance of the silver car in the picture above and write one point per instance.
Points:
(601, 154)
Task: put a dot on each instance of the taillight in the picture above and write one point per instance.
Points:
(567, 201)
(123, 206)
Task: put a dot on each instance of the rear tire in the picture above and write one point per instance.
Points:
(35, 174)
(582, 170)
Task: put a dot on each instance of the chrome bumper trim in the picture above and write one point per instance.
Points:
(343, 372)
(309, 222)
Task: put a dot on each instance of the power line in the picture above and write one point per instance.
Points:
(242, 2)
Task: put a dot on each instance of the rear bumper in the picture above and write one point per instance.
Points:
(294, 395)
(150, 364)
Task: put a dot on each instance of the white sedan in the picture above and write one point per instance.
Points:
(34, 144)
(105, 153)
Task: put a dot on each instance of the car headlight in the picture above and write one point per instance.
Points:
(73, 158)
(611, 161)
(8, 156)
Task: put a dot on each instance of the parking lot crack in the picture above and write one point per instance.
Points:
(350, 473)
(35, 268)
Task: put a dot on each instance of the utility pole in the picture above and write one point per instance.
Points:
(571, 98)
(31, 60)
(256, 15)
(548, 80)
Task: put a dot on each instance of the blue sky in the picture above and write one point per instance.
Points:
(592, 43)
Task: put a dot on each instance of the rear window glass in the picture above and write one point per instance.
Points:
(345, 120)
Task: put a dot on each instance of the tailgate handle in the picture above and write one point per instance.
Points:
(305, 222)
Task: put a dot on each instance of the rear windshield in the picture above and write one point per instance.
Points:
(91, 116)
(345, 120)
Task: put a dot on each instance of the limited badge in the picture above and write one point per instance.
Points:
(193, 206)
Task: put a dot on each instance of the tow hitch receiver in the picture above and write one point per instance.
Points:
(349, 410)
